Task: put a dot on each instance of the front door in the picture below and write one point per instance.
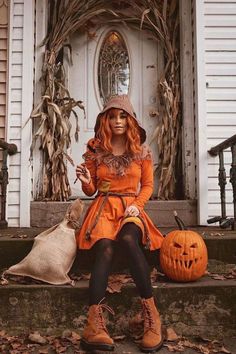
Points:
(114, 60)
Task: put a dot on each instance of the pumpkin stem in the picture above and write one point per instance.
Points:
(179, 222)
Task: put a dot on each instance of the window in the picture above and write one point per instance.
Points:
(113, 66)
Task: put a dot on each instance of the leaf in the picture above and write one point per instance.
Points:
(75, 337)
(171, 336)
(164, 9)
(69, 158)
(55, 107)
(145, 12)
(175, 348)
(44, 350)
(4, 282)
(61, 349)
(116, 282)
(120, 337)
(218, 277)
(224, 350)
(37, 338)
(136, 326)
(173, 7)
(85, 276)
(16, 345)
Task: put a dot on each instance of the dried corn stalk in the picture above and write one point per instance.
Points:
(56, 106)
(169, 139)
(54, 130)
(161, 19)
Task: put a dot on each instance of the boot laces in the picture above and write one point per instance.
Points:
(148, 317)
(100, 322)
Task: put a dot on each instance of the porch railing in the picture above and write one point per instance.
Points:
(7, 149)
(219, 149)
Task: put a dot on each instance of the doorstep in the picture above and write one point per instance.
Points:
(47, 214)
(206, 307)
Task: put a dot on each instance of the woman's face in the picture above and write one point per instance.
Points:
(118, 121)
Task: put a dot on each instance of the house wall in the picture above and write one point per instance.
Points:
(20, 99)
(215, 105)
(3, 68)
(215, 61)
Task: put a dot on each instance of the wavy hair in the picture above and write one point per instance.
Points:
(104, 134)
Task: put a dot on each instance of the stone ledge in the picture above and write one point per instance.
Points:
(47, 214)
(205, 307)
(13, 248)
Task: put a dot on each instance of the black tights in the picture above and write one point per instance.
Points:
(130, 238)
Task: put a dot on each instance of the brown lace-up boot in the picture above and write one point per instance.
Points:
(95, 335)
(152, 335)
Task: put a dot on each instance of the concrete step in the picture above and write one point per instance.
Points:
(16, 243)
(206, 307)
(160, 211)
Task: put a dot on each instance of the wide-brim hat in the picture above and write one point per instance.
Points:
(120, 102)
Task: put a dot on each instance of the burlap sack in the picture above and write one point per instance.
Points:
(53, 251)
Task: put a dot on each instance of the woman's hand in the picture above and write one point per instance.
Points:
(83, 174)
(131, 210)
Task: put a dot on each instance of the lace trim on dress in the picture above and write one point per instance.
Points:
(117, 163)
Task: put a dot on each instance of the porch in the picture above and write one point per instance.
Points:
(202, 308)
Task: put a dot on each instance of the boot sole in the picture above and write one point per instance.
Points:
(158, 346)
(97, 346)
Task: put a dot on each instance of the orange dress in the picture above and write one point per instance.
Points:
(120, 181)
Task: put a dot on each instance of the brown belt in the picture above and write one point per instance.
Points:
(106, 195)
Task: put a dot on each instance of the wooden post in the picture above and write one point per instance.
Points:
(8, 149)
(186, 70)
(233, 182)
(222, 183)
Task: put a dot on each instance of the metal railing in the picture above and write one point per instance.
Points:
(7, 149)
(223, 220)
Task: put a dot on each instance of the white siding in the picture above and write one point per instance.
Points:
(20, 95)
(219, 53)
(3, 69)
(220, 63)
(200, 111)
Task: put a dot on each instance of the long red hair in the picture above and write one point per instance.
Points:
(104, 134)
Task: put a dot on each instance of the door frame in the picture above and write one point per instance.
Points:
(187, 93)
(187, 99)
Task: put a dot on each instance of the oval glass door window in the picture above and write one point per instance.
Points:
(113, 67)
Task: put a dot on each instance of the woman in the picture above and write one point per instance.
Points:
(118, 166)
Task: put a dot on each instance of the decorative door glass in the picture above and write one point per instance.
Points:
(113, 66)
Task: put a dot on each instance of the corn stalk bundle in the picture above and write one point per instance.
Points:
(56, 106)
(160, 18)
(169, 136)
(54, 130)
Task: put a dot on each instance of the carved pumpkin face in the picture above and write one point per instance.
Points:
(183, 255)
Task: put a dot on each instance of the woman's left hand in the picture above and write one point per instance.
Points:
(131, 210)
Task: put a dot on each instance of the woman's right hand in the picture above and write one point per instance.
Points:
(83, 174)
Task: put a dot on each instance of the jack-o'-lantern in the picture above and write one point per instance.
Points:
(183, 254)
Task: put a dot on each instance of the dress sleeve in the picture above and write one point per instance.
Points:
(90, 162)
(146, 187)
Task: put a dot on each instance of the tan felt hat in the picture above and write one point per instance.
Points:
(120, 102)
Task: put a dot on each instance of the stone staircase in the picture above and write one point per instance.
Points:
(206, 307)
